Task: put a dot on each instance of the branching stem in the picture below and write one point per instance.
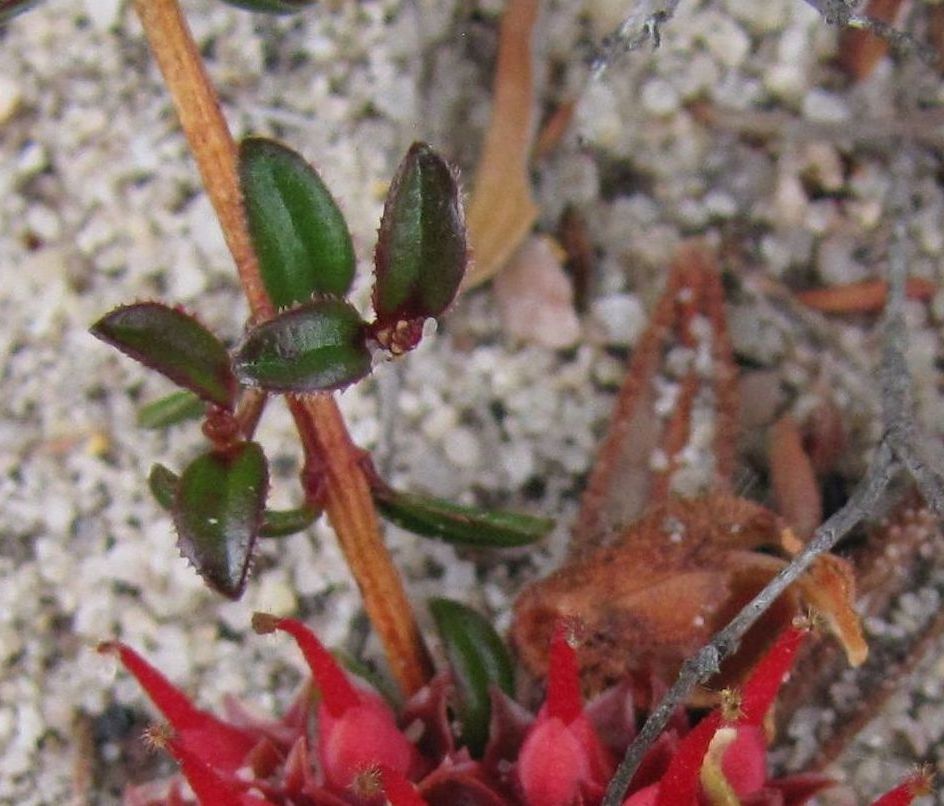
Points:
(321, 428)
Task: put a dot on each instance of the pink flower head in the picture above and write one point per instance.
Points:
(357, 729)
(562, 759)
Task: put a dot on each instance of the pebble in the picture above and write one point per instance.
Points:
(462, 447)
(622, 318)
(659, 97)
(10, 97)
(823, 106)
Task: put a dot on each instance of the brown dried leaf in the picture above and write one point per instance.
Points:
(792, 480)
(624, 478)
(901, 556)
(867, 296)
(502, 210)
(651, 599)
(829, 587)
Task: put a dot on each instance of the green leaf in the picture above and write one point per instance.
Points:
(275, 522)
(10, 8)
(173, 343)
(163, 485)
(297, 230)
(218, 510)
(271, 6)
(315, 347)
(421, 250)
(478, 660)
(175, 408)
(285, 522)
(467, 526)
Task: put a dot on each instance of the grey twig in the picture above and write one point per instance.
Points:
(897, 403)
(899, 41)
(841, 13)
(643, 25)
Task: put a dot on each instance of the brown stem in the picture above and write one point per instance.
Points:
(324, 435)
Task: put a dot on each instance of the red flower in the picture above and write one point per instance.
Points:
(562, 760)
(357, 730)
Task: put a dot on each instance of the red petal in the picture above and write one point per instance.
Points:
(903, 794)
(365, 736)
(762, 686)
(744, 763)
(214, 741)
(398, 790)
(563, 678)
(552, 764)
(206, 782)
(337, 692)
(679, 785)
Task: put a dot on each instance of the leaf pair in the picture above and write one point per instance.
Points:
(307, 264)
(307, 261)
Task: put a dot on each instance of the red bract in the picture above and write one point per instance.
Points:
(562, 761)
(912, 787)
(217, 743)
(740, 763)
(206, 782)
(357, 730)
(399, 791)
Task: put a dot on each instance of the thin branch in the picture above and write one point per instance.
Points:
(645, 23)
(707, 661)
(897, 401)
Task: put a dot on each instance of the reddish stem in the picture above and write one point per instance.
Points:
(324, 436)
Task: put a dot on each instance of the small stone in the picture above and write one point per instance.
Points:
(821, 106)
(659, 97)
(622, 318)
(785, 80)
(10, 97)
(462, 447)
(32, 160)
(726, 40)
